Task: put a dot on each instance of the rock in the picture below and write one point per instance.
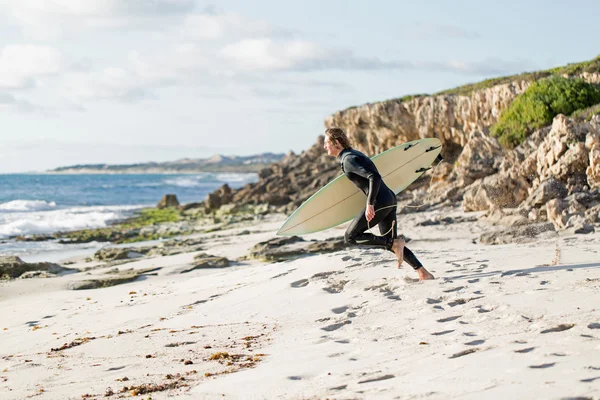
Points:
(277, 249)
(13, 267)
(191, 206)
(506, 217)
(36, 274)
(593, 170)
(207, 261)
(547, 190)
(519, 234)
(327, 246)
(556, 210)
(219, 197)
(480, 157)
(168, 200)
(120, 253)
(583, 229)
(494, 191)
(103, 282)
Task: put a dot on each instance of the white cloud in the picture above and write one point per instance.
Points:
(22, 65)
(44, 18)
(211, 26)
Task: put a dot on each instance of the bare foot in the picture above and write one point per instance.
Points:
(424, 274)
(398, 248)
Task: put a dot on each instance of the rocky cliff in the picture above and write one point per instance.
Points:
(557, 161)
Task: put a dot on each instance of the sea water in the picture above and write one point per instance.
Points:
(48, 203)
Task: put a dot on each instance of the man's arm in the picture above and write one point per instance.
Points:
(353, 164)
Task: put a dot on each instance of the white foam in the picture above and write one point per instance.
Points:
(201, 179)
(27, 205)
(24, 223)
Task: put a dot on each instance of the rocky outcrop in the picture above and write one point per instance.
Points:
(13, 267)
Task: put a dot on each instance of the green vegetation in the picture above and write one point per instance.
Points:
(592, 66)
(154, 216)
(587, 113)
(540, 103)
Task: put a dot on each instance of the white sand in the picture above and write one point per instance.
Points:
(361, 330)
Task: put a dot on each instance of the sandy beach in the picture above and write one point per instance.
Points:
(499, 321)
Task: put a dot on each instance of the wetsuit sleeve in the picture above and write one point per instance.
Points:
(352, 164)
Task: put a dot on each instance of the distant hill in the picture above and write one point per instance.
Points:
(216, 163)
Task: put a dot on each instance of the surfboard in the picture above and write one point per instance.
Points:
(340, 200)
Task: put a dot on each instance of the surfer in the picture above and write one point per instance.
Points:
(380, 208)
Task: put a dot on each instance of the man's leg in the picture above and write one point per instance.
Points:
(389, 226)
(356, 233)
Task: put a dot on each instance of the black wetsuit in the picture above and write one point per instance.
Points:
(362, 172)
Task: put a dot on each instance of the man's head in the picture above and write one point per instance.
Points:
(335, 141)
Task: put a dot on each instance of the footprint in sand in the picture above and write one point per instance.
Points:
(470, 334)
(284, 273)
(449, 318)
(339, 387)
(475, 342)
(346, 258)
(438, 308)
(442, 332)
(465, 352)
(525, 350)
(594, 325)
(334, 327)
(380, 378)
(339, 310)
(336, 287)
(473, 280)
(542, 366)
(434, 301)
(300, 283)
(559, 328)
(343, 341)
(456, 289)
(590, 380)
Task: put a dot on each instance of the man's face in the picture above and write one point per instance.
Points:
(332, 147)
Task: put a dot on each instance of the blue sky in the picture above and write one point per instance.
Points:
(123, 81)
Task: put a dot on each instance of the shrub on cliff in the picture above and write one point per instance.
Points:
(539, 104)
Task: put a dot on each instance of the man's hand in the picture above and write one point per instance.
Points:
(370, 212)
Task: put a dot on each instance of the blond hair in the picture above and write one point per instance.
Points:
(339, 136)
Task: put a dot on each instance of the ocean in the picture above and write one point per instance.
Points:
(48, 203)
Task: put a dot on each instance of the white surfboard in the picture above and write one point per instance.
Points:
(340, 200)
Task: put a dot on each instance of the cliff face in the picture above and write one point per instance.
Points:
(376, 127)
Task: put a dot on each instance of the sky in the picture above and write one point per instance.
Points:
(127, 81)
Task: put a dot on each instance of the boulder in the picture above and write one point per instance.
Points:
(168, 200)
(519, 234)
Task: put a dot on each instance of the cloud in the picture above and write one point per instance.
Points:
(212, 25)
(9, 103)
(22, 65)
(43, 18)
(112, 83)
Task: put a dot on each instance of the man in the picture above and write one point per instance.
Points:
(380, 208)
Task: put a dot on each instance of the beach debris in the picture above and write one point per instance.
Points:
(74, 343)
